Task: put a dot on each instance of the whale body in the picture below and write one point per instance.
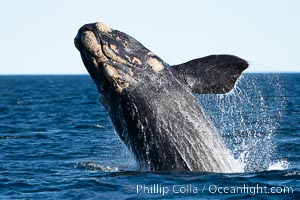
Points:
(152, 104)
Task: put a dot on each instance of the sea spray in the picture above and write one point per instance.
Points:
(247, 120)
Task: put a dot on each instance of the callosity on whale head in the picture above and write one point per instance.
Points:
(151, 103)
(112, 57)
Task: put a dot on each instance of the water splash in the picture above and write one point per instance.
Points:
(247, 118)
(281, 165)
(92, 166)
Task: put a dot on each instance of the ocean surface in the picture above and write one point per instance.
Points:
(57, 142)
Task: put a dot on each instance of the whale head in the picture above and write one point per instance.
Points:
(114, 60)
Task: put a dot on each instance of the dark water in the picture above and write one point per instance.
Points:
(57, 142)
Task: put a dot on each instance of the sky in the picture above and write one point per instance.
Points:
(37, 37)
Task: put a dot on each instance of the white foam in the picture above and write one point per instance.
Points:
(91, 166)
(281, 165)
(98, 126)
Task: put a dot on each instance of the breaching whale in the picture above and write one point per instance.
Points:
(152, 104)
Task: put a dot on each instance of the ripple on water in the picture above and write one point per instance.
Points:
(91, 166)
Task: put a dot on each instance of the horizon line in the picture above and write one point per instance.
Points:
(32, 74)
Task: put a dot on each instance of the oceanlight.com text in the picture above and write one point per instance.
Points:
(159, 189)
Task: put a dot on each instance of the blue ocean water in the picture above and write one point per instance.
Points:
(57, 142)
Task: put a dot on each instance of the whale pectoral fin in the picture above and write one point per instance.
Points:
(215, 74)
